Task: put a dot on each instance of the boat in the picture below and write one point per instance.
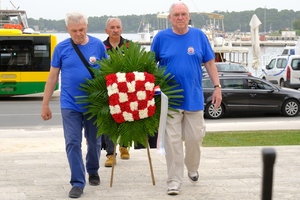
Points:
(214, 28)
(232, 54)
(222, 46)
(25, 55)
(145, 36)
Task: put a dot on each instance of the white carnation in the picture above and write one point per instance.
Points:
(123, 97)
(151, 102)
(115, 109)
(112, 89)
(128, 116)
(140, 76)
(143, 113)
(134, 105)
(121, 77)
(131, 86)
(149, 86)
(141, 95)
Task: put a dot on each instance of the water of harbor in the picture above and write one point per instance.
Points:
(266, 52)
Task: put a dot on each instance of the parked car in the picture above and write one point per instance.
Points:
(244, 93)
(283, 70)
(229, 67)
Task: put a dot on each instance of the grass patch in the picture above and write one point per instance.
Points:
(251, 138)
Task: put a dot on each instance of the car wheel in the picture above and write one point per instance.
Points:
(290, 108)
(212, 113)
(281, 84)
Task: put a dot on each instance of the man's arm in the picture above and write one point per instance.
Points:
(213, 74)
(49, 89)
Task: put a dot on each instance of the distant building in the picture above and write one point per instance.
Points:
(288, 33)
(285, 35)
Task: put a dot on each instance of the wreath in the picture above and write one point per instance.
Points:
(122, 96)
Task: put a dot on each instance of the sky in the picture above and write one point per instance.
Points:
(57, 9)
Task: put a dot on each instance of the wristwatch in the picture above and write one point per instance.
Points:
(219, 86)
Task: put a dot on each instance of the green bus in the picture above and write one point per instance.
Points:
(24, 57)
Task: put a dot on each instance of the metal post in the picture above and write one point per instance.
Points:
(269, 156)
(265, 19)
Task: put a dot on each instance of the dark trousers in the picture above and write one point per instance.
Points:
(151, 142)
(73, 124)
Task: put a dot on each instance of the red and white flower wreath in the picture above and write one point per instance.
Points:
(131, 95)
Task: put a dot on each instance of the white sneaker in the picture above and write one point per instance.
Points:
(173, 188)
(193, 176)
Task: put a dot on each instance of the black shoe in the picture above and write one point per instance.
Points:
(94, 179)
(75, 192)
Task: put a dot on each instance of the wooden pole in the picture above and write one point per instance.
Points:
(150, 162)
(113, 166)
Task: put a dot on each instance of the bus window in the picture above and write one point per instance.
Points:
(25, 55)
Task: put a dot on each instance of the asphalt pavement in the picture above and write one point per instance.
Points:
(33, 166)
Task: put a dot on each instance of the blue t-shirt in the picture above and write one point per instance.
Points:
(73, 71)
(182, 55)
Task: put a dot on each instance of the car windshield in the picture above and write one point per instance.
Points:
(224, 67)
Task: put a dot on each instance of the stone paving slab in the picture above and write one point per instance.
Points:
(33, 166)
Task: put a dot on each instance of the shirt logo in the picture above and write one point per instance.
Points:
(191, 51)
(92, 60)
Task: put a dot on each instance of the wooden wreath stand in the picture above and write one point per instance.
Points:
(149, 159)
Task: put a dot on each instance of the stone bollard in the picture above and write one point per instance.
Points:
(269, 156)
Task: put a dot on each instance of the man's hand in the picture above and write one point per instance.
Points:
(46, 113)
(217, 97)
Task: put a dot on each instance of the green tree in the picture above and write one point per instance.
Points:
(296, 24)
(272, 20)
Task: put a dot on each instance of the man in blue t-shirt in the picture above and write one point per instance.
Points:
(182, 50)
(73, 72)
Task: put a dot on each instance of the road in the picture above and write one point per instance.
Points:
(24, 113)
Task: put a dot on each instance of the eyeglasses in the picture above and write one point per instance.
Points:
(176, 15)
